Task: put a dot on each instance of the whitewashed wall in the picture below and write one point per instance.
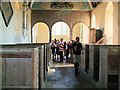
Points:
(107, 22)
(13, 33)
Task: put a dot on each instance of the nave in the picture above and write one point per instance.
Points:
(28, 30)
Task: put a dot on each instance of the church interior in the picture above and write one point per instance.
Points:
(28, 27)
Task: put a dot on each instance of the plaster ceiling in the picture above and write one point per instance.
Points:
(81, 6)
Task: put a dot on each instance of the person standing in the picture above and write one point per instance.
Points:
(77, 48)
(61, 49)
(53, 50)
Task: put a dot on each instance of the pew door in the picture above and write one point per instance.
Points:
(17, 73)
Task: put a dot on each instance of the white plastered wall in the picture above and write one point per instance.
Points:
(14, 32)
(106, 19)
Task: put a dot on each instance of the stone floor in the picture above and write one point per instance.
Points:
(61, 75)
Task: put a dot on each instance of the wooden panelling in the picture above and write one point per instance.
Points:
(20, 67)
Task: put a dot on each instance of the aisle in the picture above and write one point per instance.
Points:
(61, 75)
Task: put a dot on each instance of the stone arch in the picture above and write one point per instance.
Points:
(40, 33)
(82, 30)
(52, 17)
(108, 32)
(60, 34)
(61, 21)
(42, 22)
(79, 22)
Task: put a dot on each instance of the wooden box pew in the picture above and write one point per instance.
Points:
(104, 65)
(20, 52)
(94, 61)
(109, 67)
(47, 58)
(82, 60)
(20, 67)
(87, 58)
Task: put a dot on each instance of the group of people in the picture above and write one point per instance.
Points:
(62, 49)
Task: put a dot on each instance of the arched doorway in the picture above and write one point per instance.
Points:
(81, 30)
(61, 30)
(40, 33)
(109, 24)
